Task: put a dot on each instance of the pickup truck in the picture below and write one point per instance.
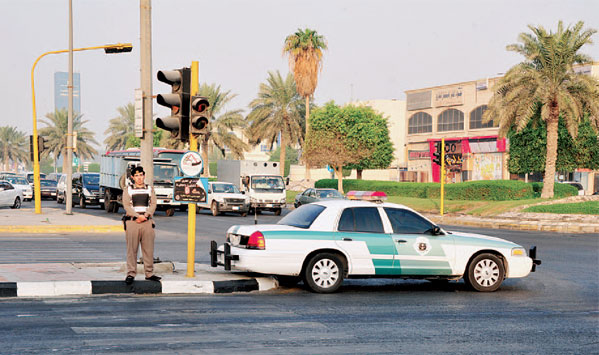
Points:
(225, 197)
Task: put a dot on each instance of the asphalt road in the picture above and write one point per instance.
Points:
(553, 311)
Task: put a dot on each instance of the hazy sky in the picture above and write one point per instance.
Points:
(377, 49)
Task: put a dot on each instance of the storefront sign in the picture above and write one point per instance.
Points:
(449, 97)
(418, 154)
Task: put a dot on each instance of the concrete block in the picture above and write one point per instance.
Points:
(53, 288)
(187, 286)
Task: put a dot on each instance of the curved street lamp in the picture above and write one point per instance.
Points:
(109, 49)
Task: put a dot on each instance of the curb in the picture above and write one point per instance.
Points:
(62, 228)
(84, 288)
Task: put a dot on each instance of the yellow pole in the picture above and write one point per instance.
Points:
(191, 210)
(36, 163)
(442, 173)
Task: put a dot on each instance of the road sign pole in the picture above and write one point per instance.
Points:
(191, 208)
(442, 173)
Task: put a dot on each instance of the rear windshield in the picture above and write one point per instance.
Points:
(17, 180)
(302, 217)
(50, 183)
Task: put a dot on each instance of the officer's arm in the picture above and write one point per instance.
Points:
(152, 207)
(127, 204)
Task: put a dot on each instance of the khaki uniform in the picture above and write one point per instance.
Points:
(139, 201)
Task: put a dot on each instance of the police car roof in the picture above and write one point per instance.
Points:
(357, 203)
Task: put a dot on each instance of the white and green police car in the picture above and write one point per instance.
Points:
(325, 242)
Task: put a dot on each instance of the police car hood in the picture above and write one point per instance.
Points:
(483, 237)
(249, 229)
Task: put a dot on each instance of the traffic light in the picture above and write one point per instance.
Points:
(41, 146)
(199, 115)
(437, 153)
(178, 101)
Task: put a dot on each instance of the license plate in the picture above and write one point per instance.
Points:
(101, 200)
(269, 205)
(235, 208)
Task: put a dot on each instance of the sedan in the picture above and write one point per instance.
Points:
(21, 182)
(48, 188)
(324, 242)
(313, 195)
(9, 195)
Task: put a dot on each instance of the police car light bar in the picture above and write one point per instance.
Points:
(367, 195)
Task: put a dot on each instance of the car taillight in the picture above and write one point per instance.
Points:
(256, 241)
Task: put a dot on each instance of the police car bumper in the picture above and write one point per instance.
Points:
(252, 260)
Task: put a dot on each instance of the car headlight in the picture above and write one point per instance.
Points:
(518, 252)
(86, 192)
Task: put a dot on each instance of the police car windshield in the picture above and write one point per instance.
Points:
(269, 183)
(302, 217)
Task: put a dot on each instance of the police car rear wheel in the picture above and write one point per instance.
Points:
(485, 273)
(324, 273)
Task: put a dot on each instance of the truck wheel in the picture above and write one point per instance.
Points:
(170, 212)
(82, 201)
(107, 202)
(214, 208)
(278, 211)
(115, 207)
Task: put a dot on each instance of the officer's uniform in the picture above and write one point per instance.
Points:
(139, 201)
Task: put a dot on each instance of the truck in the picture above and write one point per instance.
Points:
(116, 168)
(260, 180)
(225, 197)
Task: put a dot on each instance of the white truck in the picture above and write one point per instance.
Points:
(225, 197)
(114, 169)
(260, 180)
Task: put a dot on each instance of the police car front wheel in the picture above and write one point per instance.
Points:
(485, 273)
(324, 273)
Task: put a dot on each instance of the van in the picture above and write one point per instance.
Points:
(86, 189)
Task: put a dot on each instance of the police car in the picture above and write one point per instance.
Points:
(324, 242)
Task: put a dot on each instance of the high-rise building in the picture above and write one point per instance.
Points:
(61, 91)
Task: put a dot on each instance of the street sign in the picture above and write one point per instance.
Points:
(190, 189)
(139, 116)
(192, 164)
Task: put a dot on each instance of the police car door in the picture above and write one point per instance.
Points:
(419, 252)
(362, 236)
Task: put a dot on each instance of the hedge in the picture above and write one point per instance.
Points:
(493, 190)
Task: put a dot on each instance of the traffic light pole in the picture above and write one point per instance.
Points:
(191, 208)
(147, 140)
(69, 155)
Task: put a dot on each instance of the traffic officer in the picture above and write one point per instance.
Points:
(139, 201)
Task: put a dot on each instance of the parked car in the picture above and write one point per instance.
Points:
(9, 195)
(29, 177)
(54, 176)
(20, 182)
(313, 195)
(5, 174)
(86, 189)
(324, 242)
(576, 185)
(47, 189)
(61, 188)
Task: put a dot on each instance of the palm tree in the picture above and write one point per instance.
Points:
(13, 146)
(276, 111)
(547, 79)
(304, 48)
(120, 128)
(222, 125)
(55, 134)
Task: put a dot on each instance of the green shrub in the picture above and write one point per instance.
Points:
(490, 190)
(559, 190)
(587, 207)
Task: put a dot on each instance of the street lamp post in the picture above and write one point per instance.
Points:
(109, 49)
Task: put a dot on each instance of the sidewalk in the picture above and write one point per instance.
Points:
(54, 220)
(77, 279)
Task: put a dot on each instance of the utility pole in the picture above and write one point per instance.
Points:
(147, 141)
(69, 157)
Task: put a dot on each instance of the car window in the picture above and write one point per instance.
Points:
(361, 219)
(8, 186)
(91, 179)
(404, 222)
(302, 217)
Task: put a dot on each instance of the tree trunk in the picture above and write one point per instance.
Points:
(359, 174)
(5, 157)
(339, 171)
(204, 144)
(307, 175)
(549, 178)
(282, 156)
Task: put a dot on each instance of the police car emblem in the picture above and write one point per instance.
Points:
(422, 245)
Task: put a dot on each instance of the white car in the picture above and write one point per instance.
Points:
(324, 242)
(21, 182)
(9, 195)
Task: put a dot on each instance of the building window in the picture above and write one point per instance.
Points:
(420, 122)
(476, 118)
(450, 120)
